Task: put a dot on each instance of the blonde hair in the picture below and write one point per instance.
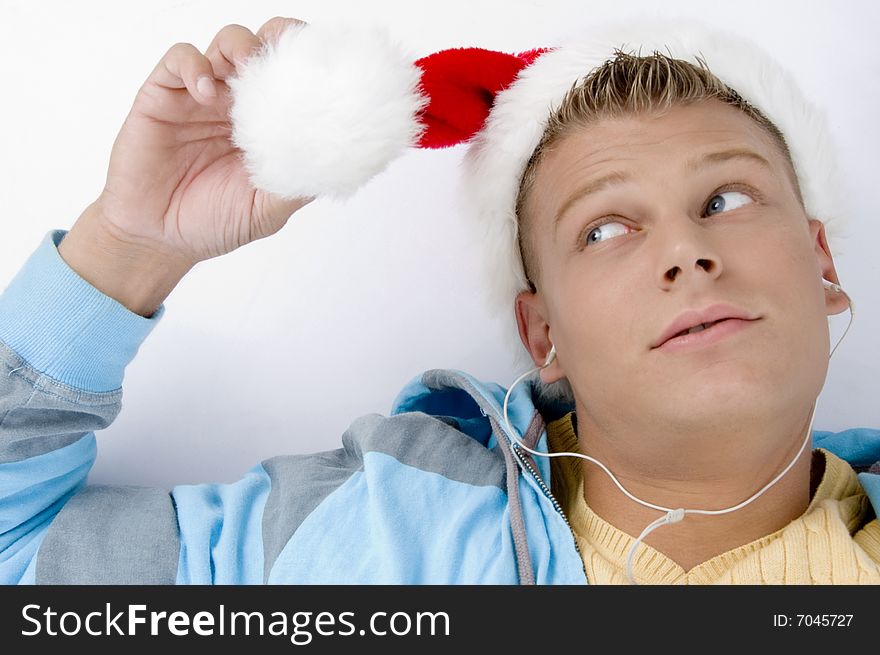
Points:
(628, 85)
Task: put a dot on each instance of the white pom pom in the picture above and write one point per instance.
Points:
(323, 109)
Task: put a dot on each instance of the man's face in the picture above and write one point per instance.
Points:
(688, 217)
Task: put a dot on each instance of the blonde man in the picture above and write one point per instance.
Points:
(670, 293)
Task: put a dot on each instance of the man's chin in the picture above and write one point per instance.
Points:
(744, 369)
(716, 399)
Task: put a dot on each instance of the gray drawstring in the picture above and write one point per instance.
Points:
(517, 524)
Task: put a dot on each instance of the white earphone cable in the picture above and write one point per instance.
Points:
(672, 515)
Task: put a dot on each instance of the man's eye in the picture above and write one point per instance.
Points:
(605, 231)
(726, 201)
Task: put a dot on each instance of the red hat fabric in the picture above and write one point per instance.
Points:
(461, 85)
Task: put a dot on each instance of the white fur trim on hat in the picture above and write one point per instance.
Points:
(323, 109)
(498, 155)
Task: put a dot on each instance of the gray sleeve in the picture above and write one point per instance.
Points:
(50, 522)
(39, 415)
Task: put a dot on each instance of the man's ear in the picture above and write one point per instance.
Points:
(835, 301)
(534, 331)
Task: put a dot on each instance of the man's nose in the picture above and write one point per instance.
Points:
(685, 250)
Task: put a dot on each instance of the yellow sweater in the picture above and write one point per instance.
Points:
(836, 541)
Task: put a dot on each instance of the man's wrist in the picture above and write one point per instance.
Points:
(138, 278)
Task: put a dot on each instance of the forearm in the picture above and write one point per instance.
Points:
(140, 279)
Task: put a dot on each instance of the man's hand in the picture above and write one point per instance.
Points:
(176, 191)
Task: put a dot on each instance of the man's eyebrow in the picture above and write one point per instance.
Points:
(727, 155)
(594, 186)
(619, 177)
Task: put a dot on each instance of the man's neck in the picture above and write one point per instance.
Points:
(698, 538)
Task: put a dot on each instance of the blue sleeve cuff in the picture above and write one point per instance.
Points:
(64, 327)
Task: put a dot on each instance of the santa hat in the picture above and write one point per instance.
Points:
(323, 109)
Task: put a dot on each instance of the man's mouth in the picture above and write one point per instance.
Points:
(698, 328)
(717, 317)
(704, 334)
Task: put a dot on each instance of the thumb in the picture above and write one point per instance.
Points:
(275, 210)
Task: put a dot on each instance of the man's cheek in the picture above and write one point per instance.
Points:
(602, 348)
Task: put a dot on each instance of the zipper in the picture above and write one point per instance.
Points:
(515, 448)
(516, 451)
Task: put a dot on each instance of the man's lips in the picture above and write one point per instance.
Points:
(707, 320)
(718, 331)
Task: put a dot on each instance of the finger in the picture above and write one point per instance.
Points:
(231, 45)
(235, 43)
(272, 28)
(183, 66)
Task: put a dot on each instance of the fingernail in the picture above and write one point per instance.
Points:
(205, 85)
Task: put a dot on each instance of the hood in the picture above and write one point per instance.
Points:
(467, 402)
(473, 406)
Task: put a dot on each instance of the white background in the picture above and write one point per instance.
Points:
(278, 346)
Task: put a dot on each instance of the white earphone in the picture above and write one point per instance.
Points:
(831, 285)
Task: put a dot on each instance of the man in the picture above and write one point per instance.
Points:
(657, 202)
